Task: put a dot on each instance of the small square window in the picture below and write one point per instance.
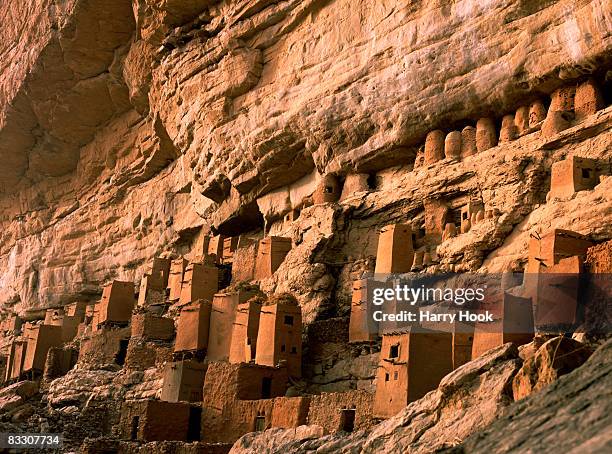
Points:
(283, 348)
(386, 377)
(329, 189)
(294, 350)
(289, 320)
(586, 173)
(395, 375)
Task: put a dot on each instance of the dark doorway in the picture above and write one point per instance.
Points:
(195, 421)
(260, 423)
(372, 181)
(134, 428)
(225, 275)
(454, 216)
(266, 388)
(122, 353)
(347, 420)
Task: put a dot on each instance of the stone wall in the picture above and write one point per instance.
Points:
(290, 412)
(142, 354)
(150, 327)
(326, 410)
(104, 347)
(331, 364)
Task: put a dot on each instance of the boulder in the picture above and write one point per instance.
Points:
(10, 402)
(24, 389)
(16, 395)
(290, 439)
(554, 358)
(527, 351)
(78, 386)
(572, 415)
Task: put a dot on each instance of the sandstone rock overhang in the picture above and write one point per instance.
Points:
(60, 81)
(234, 93)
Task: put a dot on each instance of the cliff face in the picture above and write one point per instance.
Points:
(127, 128)
(137, 129)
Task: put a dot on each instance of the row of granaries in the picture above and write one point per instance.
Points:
(230, 357)
(569, 105)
